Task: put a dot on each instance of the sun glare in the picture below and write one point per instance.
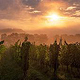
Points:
(53, 17)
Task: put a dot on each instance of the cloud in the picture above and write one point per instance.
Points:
(32, 3)
(4, 5)
(29, 14)
(71, 8)
(9, 8)
(14, 4)
(77, 13)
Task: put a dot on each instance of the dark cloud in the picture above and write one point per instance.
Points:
(5, 4)
(32, 3)
(10, 9)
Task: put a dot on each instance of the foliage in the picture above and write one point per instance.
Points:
(41, 61)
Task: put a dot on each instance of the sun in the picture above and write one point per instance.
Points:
(53, 17)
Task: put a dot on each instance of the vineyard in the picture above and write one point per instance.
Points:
(27, 61)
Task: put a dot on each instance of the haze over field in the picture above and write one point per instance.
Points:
(39, 39)
(61, 16)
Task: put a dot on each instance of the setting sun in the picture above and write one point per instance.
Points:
(53, 17)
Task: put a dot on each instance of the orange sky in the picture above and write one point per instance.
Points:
(31, 16)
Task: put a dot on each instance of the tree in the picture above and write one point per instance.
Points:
(41, 51)
(54, 52)
(65, 58)
(33, 54)
(16, 50)
(75, 56)
(25, 57)
(9, 63)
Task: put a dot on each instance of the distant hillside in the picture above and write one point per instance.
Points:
(9, 30)
(55, 31)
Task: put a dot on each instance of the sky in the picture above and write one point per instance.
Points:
(40, 14)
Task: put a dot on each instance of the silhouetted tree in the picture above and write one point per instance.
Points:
(25, 57)
(54, 52)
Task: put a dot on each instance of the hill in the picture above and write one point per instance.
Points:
(10, 30)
